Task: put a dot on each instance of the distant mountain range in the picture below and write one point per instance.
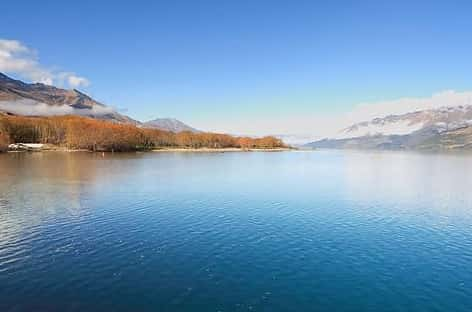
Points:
(442, 128)
(37, 99)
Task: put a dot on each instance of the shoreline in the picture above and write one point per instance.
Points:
(49, 148)
(222, 150)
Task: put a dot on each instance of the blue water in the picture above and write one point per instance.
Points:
(288, 231)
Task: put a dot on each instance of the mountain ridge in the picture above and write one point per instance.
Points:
(422, 129)
(38, 99)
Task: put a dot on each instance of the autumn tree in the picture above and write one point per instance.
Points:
(77, 132)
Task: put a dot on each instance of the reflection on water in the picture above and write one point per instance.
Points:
(325, 230)
(409, 176)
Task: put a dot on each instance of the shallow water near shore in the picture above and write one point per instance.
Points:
(285, 231)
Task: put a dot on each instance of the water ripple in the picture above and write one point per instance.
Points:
(174, 233)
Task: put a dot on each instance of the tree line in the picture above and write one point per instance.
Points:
(76, 132)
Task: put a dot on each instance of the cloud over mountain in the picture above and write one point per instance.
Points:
(332, 124)
(448, 98)
(17, 58)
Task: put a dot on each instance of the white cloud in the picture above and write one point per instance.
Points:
(450, 98)
(76, 81)
(16, 58)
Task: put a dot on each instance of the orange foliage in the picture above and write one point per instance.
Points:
(4, 141)
(97, 135)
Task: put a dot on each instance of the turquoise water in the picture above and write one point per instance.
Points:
(289, 231)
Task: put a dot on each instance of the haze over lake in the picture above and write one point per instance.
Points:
(280, 231)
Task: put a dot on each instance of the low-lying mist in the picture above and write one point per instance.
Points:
(28, 107)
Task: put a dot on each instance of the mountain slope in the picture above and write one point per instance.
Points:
(169, 124)
(17, 97)
(444, 127)
(445, 118)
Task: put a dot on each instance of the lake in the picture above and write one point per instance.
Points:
(275, 231)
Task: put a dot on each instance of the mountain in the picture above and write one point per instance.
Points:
(37, 99)
(169, 124)
(445, 127)
(19, 98)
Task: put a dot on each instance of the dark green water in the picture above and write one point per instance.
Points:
(291, 231)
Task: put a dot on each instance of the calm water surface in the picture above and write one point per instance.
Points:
(291, 231)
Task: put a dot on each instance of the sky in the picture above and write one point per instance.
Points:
(244, 67)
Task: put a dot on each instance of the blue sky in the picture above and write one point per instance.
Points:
(249, 66)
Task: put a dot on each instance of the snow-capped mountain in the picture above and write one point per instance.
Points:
(409, 130)
(442, 119)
